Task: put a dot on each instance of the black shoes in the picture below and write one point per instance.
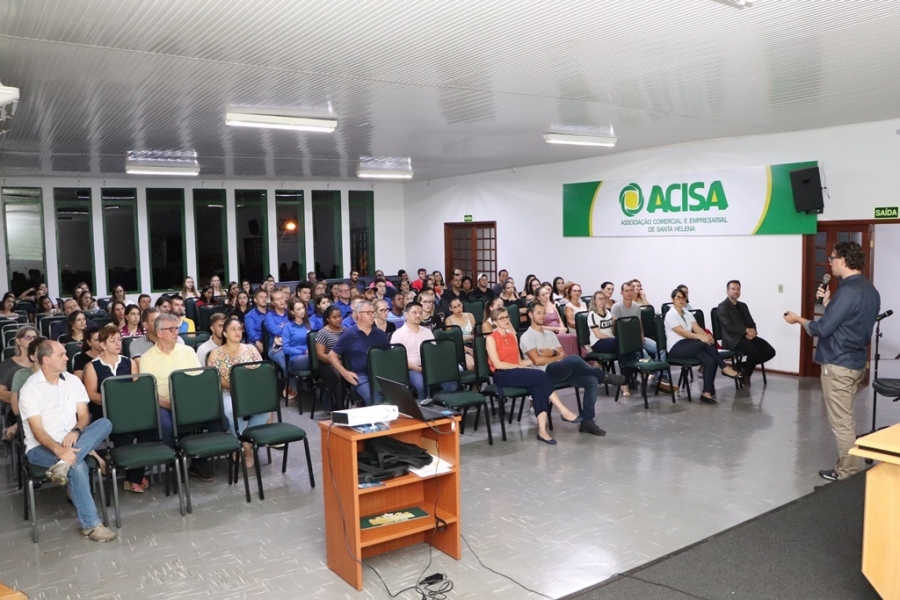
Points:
(591, 428)
(201, 471)
(829, 474)
(614, 379)
(550, 441)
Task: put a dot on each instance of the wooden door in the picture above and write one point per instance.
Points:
(472, 248)
(816, 250)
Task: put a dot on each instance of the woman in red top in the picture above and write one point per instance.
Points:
(510, 369)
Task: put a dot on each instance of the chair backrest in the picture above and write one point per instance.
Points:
(46, 322)
(190, 309)
(102, 303)
(23, 316)
(482, 368)
(439, 363)
(194, 339)
(101, 320)
(698, 315)
(582, 332)
(126, 346)
(660, 328)
(9, 333)
(313, 355)
(475, 308)
(131, 404)
(561, 309)
(254, 389)
(196, 396)
(513, 311)
(715, 323)
(628, 335)
(453, 333)
(388, 362)
(648, 321)
(665, 308)
(9, 352)
(72, 348)
(203, 314)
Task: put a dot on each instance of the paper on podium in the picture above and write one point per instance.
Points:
(438, 466)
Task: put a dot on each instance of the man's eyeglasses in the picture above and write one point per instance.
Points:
(170, 329)
(831, 258)
(366, 312)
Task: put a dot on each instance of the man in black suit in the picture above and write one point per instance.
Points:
(739, 332)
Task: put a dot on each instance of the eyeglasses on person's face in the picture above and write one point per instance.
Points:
(170, 328)
(503, 318)
(832, 258)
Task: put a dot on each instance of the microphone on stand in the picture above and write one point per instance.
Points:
(823, 286)
(884, 315)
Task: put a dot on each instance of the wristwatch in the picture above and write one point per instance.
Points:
(77, 430)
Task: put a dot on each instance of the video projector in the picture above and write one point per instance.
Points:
(365, 415)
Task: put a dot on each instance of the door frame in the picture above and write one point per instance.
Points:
(448, 248)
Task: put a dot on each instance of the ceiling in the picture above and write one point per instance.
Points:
(459, 86)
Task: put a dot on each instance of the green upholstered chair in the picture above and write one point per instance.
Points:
(492, 391)
(628, 338)
(195, 339)
(389, 362)
(454, 333)
(254, 390)
(196, 396)
(476, 309)
(439, 366)
(318, 386)
(131, 404)
(606, 359)
(648, 322)
(687, 364)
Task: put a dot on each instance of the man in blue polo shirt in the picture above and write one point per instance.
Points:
(253, 321)
(354, 343)
(343, 299)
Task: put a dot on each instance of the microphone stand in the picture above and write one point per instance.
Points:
(878, 335)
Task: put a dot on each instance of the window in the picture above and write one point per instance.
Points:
(291, 235)
(362, 232)
(120, 235)
(165, 219)
(211, 228)
(74, 238)
(23, 218)
(327, 234)
(252, 246)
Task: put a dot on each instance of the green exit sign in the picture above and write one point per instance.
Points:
(886, 212)
(468, 218)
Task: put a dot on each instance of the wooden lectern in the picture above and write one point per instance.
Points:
(881, 531)
(346, 542)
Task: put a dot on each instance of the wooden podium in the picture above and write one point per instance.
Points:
(346, 542)
(881, 530)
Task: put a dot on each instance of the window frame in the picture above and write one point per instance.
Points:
(39, 201)
(263, 201)
(57, 204)
(223, 202)
(296, 202)
(368, 203)
(137, 249)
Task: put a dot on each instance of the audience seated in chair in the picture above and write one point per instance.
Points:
(739, 332)
(354, 343)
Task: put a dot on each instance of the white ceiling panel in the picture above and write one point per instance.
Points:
(460, 87)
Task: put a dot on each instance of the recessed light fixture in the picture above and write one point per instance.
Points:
(387, 167)
(162, 162)
(240, 119)
(9, 100)
(736, 3)
(579, 140)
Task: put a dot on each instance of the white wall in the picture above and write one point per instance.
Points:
(887, 250)
(390, 250)
(858, 164)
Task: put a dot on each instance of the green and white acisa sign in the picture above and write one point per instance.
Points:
(750, 201)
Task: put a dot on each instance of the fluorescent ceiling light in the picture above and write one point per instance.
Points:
(280, 122)
(165, 162)
(385, 167)
(736, 3)
(579, 140)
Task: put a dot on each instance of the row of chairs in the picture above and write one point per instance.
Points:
(130, 403)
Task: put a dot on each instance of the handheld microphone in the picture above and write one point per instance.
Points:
(884, 315)
(823, 286)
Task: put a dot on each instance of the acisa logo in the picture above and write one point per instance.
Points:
(677, 197)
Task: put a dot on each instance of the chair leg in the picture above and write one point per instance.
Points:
(284, 458)
(512, 409)
(269, 454)
(258, 471)
(477, 417)
(115, 489)
(178, 485)
(243, 465)
(502, 418)
(31, 511)
(521, 409)
(487, 422)
(312, 477)
(578, 400)
(671, 388)
(685, 383)
(462, 424)
(187, 485)
(102, 489)
(762, 366)
(644, 376)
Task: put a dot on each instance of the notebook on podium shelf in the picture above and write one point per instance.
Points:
(401, 396)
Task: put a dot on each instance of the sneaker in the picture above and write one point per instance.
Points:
(829, 474)
(58, 473)
(591, 428)
(614, 379)
(100, 533)
(201, 471)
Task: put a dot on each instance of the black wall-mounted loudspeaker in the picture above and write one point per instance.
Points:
(807, 188)
(253, 224)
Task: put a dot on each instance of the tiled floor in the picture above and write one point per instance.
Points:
(557, 519)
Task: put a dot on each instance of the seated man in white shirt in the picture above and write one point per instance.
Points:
(411, 336)
(54, 409)
(216, 339)
(542, 347)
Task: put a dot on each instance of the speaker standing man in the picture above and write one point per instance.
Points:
(844, 333)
